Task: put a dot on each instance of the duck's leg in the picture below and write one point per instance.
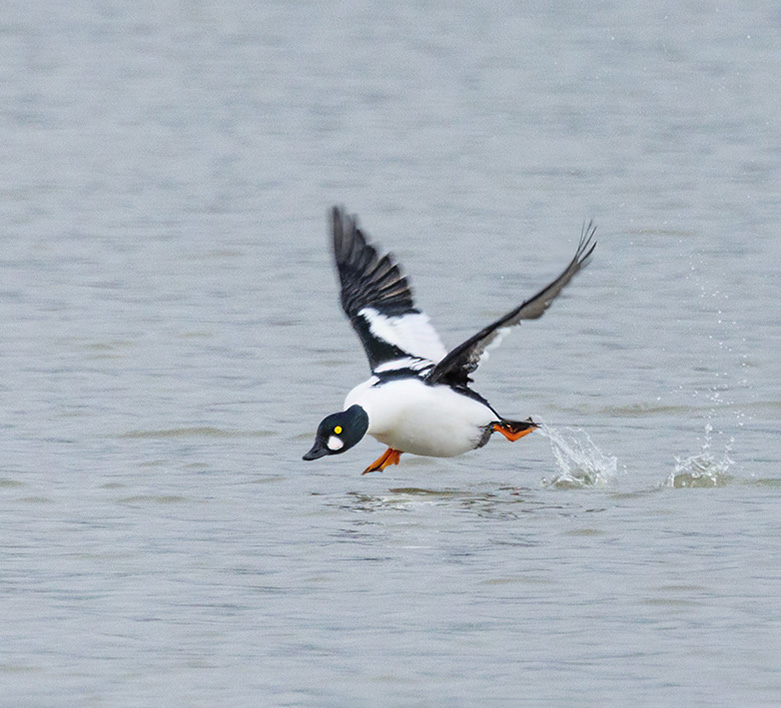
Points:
(513, 429)
(389, 457)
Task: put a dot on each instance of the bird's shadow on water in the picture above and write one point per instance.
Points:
(504, 502)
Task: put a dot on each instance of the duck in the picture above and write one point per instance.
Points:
(418, 399)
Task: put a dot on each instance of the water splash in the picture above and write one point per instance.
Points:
(581, 463)
(703, 469)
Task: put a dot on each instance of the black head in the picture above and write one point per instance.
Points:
(339, 432)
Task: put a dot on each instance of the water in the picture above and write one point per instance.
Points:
(172, 339)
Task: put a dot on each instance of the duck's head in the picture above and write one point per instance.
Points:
(339, 432)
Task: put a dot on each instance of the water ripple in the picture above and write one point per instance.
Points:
(197, 432)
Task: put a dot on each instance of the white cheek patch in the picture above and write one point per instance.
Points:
(334, 443)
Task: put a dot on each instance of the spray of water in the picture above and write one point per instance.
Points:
(580, 462)
(702, 470)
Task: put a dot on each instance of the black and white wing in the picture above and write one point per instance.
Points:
(378, 300)
(456, 366)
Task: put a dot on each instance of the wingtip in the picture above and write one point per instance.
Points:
(342, 227)
(587, 243)
(338, 214)
(587, 231)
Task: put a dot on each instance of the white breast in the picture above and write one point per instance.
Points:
(411, 416)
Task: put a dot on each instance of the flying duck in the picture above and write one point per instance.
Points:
(418, 399)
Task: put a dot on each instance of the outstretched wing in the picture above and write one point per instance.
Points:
(465, 358)
(378, 300)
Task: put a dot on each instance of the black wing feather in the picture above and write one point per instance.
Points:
(377, 298)
(367, 280)
(456, 366)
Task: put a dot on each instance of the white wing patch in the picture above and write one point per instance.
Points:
(413, 333)
(408, 362)
(496, 340)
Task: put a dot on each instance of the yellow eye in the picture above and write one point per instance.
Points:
(338, 429)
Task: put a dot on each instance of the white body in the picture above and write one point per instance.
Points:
(411, 416)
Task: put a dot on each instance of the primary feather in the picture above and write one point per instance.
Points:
(456, 366)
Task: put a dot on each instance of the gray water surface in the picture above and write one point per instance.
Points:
(172, 337)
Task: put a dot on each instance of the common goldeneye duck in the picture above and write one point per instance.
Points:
(418, 399)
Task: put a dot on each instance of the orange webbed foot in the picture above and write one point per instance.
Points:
(514, 430)
(388, 458)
